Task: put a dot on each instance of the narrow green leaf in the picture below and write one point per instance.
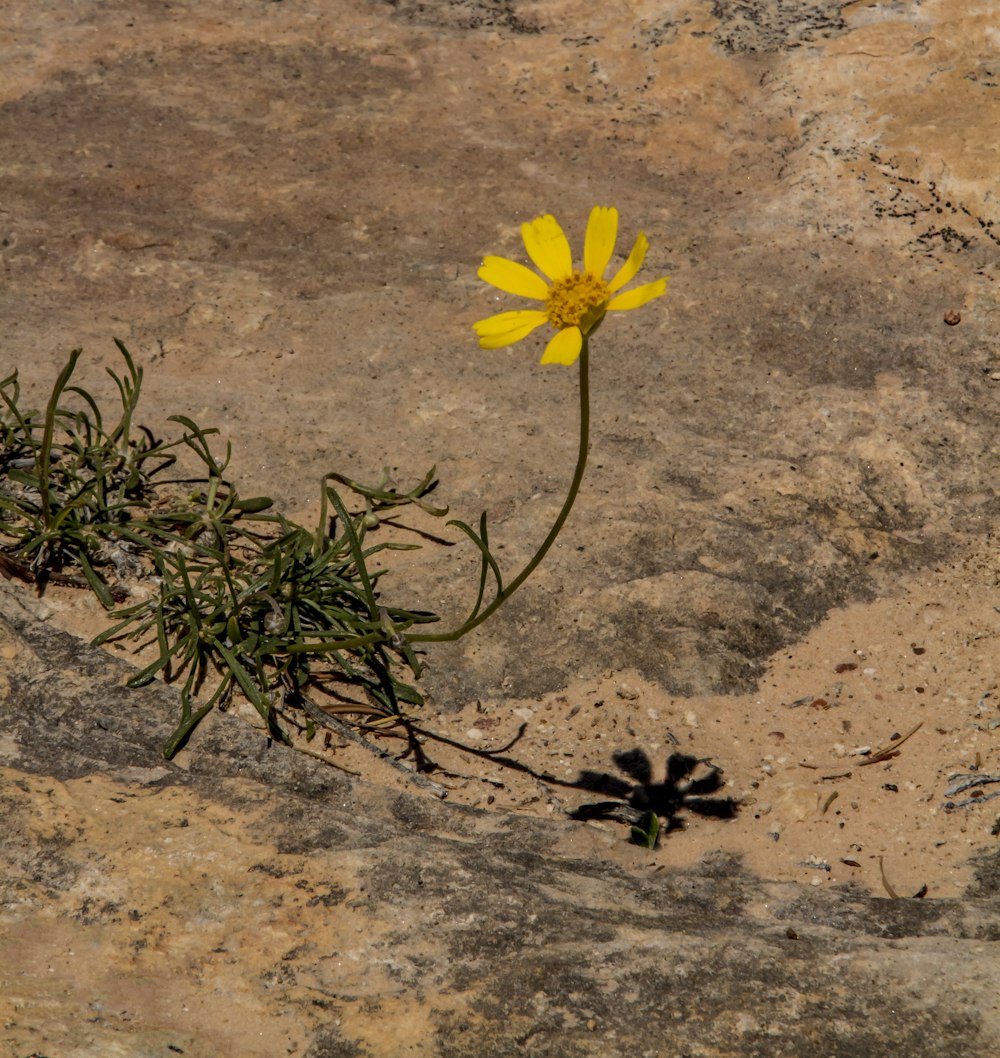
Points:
(647, 831)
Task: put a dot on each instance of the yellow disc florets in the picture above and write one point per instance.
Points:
(577, 300)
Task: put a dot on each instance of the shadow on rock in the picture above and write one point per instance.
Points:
(689, 783)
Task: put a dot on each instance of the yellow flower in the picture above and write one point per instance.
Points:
(574, 302)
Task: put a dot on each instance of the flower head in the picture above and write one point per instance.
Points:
(573, 302)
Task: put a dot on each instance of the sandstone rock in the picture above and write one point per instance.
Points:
(280, 208)
(249, 900)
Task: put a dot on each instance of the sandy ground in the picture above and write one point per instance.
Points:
(835, 770)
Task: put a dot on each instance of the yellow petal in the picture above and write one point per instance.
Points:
(628, 270)
(599, 245)
(547, 246)
(513, 278)
(564, 348)
(506, 328)
(632, 299)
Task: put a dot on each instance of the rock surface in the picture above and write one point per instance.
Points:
(281, 211)
(248, 900)
(280, 208)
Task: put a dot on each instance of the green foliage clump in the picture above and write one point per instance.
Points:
(235, 595)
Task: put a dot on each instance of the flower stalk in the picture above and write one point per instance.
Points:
(506, 592)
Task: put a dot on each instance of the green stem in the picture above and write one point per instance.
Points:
(45, 453)
(574, 488)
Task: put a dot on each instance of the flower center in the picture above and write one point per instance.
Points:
(577, 300)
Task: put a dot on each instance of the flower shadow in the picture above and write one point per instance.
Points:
(689, 784)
